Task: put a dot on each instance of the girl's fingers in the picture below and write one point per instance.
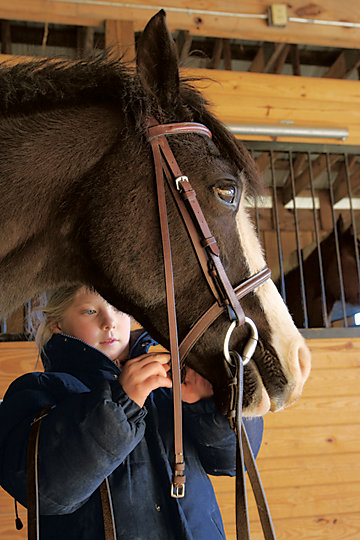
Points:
(162, 358)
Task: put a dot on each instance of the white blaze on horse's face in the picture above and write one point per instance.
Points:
(288, 343)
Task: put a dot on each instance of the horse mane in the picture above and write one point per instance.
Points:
(31, 87)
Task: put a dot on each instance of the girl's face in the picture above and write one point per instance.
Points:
(96, 322)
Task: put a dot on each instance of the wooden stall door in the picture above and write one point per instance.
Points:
(309, 459)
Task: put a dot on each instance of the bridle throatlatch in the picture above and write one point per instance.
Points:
(227, 299)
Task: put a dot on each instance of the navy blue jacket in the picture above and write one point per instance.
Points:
(95, 430)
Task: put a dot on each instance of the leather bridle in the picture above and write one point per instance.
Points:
(227, 300)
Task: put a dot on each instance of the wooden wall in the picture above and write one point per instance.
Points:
(309, 460)
(262, 98)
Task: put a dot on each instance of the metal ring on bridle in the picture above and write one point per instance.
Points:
(250, 346)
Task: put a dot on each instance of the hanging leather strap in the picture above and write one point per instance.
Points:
(108, 513)
(257, 487)
(178, 482)
(33, 486)
(32, 475)
(245, 459)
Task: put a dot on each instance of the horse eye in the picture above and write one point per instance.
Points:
(226, 194)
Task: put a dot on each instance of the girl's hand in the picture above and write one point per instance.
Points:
(141, 375)
(195, 387)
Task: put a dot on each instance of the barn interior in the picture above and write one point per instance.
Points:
(285, 79)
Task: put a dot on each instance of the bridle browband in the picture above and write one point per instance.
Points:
(227, 300)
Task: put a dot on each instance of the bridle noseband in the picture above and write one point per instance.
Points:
(227, 298)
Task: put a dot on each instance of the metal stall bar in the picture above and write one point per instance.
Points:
(353, 221)
(277, 224)
(321, 269)
(296, 221)
(337, 247)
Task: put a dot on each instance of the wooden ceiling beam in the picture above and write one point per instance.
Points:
(205, 24)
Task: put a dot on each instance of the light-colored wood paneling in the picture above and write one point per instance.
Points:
(215, 18)
(308, 460)
(258, 98)
(310, 453)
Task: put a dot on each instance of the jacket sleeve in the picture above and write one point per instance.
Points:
(213, 437)
(82, 440)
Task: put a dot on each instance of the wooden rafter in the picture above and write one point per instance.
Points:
(345, 64)
(302, 180)
(183, 42)
(340, 186)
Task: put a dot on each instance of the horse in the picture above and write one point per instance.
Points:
(78, 204)
(315, 298)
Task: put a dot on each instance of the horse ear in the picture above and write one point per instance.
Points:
(157, 63)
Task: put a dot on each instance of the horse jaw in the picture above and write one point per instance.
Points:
(286, 341)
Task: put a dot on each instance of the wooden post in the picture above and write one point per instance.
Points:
(120, 39)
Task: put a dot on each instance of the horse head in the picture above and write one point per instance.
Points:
(223, 175)
(89, 169)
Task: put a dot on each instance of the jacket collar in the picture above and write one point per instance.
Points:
(66, 354)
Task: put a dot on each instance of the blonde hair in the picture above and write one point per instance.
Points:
(57, 303)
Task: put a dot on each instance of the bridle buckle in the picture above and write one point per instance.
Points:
(177, 491)
(179, 181)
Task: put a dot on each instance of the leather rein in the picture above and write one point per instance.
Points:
(227, 299)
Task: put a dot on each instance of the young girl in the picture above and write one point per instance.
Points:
(111, 417)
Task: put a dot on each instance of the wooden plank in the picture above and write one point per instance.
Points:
(325, 527)
(321, 383)
(295, 502)
(17, 358)
(209, 22)
(7, 527)
(334, 353)
(307, 440)
(321, 411)
(309, 470)
(258, 98)
(7, 518)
